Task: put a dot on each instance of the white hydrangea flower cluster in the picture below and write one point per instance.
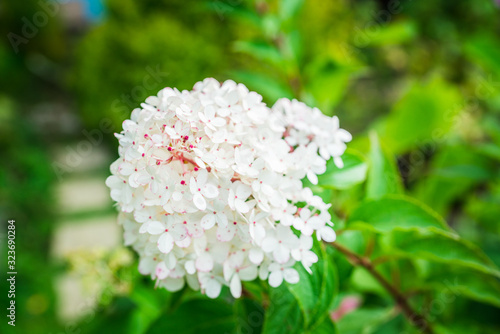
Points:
(209, 186)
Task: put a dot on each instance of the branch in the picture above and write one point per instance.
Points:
(415, 318)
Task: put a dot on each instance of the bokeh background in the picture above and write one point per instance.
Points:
(422, 76)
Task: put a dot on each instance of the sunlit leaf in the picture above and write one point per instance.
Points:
(383, 175)
(259, 50)
(289, 8)
(393, 33)
(364, 320)
(298, 308)
(324, 327)
(453, 284)
(353, 172)
(395, 212)
(442, 248)
(424, 115)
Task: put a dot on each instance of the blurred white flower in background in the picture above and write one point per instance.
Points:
(209, 186)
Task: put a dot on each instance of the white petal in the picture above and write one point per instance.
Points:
(243, 191)
(276, 278)
(155, 227)
(178, 232)
(230, 199)
(327, 234)
(312, 177)
(296, 254)
(199, 201)
(298, 223)
(193, 187)
(338, 162)
(212, 288)
(209, 112)
(241, 206)
(146, 265)
(177, 196)
(202, 177)
(255, 255)
(218, 121)
(210, 191)
(193, 283)
(208, 221)
(161, 270)
(226, 233)
(171, 261)
(184, 243)
(263, 273)
(165, 243)
(291, 275)
(281, 254)
(189, 266)
(219, 251)
(142, 177)
(173, 284)
(248, 273)
(114, 181)
(344, 136)
(235, 286)
(269, 244)
(204, 262)
(228, 271)
(195, 230)
(221, 219)
(126, 168)
(144, 228)
(257, 232)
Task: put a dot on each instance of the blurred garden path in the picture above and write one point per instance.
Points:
(86, 224)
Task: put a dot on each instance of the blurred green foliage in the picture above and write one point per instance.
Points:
(141, 48)
(417, 83)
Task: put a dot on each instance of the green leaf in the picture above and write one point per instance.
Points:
(260, 50)
(237, 12)
(453, 172)
(269, 87)
(325, 327)
(297, 308)
(476, 286)
(383, 174)
(353, 172)
(395, 33)
(197, 316)
(485, 50)
(442, 248)
(289, 8)
(148, 308)
(393, 212)
(284, 314)
(425, 114)
(250, 315)
(364, 320)
(328, 82)
(364, 281)
(315, 292)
